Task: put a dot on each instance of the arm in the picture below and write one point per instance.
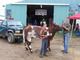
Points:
(42, 35)
(66, 28)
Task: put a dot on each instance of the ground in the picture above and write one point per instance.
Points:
(17, 51)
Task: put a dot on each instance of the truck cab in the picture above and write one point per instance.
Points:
(11, 29)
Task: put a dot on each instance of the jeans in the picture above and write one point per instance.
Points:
(66, 39)
(44, 46)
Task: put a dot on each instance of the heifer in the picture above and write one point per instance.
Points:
(53, 28)
(28, 34)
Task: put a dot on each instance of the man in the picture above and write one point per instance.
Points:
(44, 33)
(43, 22)
(66, 29)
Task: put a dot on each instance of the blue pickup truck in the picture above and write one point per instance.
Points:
(11, 29)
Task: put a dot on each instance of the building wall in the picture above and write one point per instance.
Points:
(60, 13)
(73, 3)
(79, 7)
(18, 12)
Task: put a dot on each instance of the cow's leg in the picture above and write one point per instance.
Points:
(48, 48)
(49, 39)
(25, 40)
(26, 45)
(29, 46)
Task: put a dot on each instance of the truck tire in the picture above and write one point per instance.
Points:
(11, 38)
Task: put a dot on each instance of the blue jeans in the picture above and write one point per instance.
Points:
(66, 39)
(44, 46)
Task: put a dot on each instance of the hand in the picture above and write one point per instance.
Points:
(50, 34)
(45, 36)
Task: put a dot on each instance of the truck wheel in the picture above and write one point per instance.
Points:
(10, 38)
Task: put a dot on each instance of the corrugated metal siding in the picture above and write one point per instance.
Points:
(45, 1)
(18, 12)
(53, 1)
(73, 3)
(60, 14)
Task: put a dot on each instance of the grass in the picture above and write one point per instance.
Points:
(60, 34)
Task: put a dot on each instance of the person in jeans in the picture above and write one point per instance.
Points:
(66, 34)
(44, 34)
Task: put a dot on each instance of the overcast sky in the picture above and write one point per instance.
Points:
(4, 2)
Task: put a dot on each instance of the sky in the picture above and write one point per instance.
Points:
(2, 6)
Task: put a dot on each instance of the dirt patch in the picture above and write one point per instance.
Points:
(18, 52)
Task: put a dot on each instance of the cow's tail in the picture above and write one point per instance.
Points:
(24, 36)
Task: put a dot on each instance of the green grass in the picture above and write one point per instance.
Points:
(60, 34)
